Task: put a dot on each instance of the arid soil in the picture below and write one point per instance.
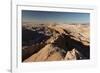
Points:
(55, 42)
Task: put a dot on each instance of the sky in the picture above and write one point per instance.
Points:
(57, 17)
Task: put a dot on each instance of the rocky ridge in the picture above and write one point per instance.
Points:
(44, 42)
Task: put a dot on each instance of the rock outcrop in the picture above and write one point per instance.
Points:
(55, 42)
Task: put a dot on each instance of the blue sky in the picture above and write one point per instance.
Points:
(59, 17)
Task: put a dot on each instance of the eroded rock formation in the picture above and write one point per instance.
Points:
(55, 42)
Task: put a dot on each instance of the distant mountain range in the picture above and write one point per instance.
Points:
(55, 42)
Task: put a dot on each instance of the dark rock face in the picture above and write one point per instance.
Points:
(32, 41)
(55, 43)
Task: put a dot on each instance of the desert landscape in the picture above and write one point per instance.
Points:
(55, 42)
